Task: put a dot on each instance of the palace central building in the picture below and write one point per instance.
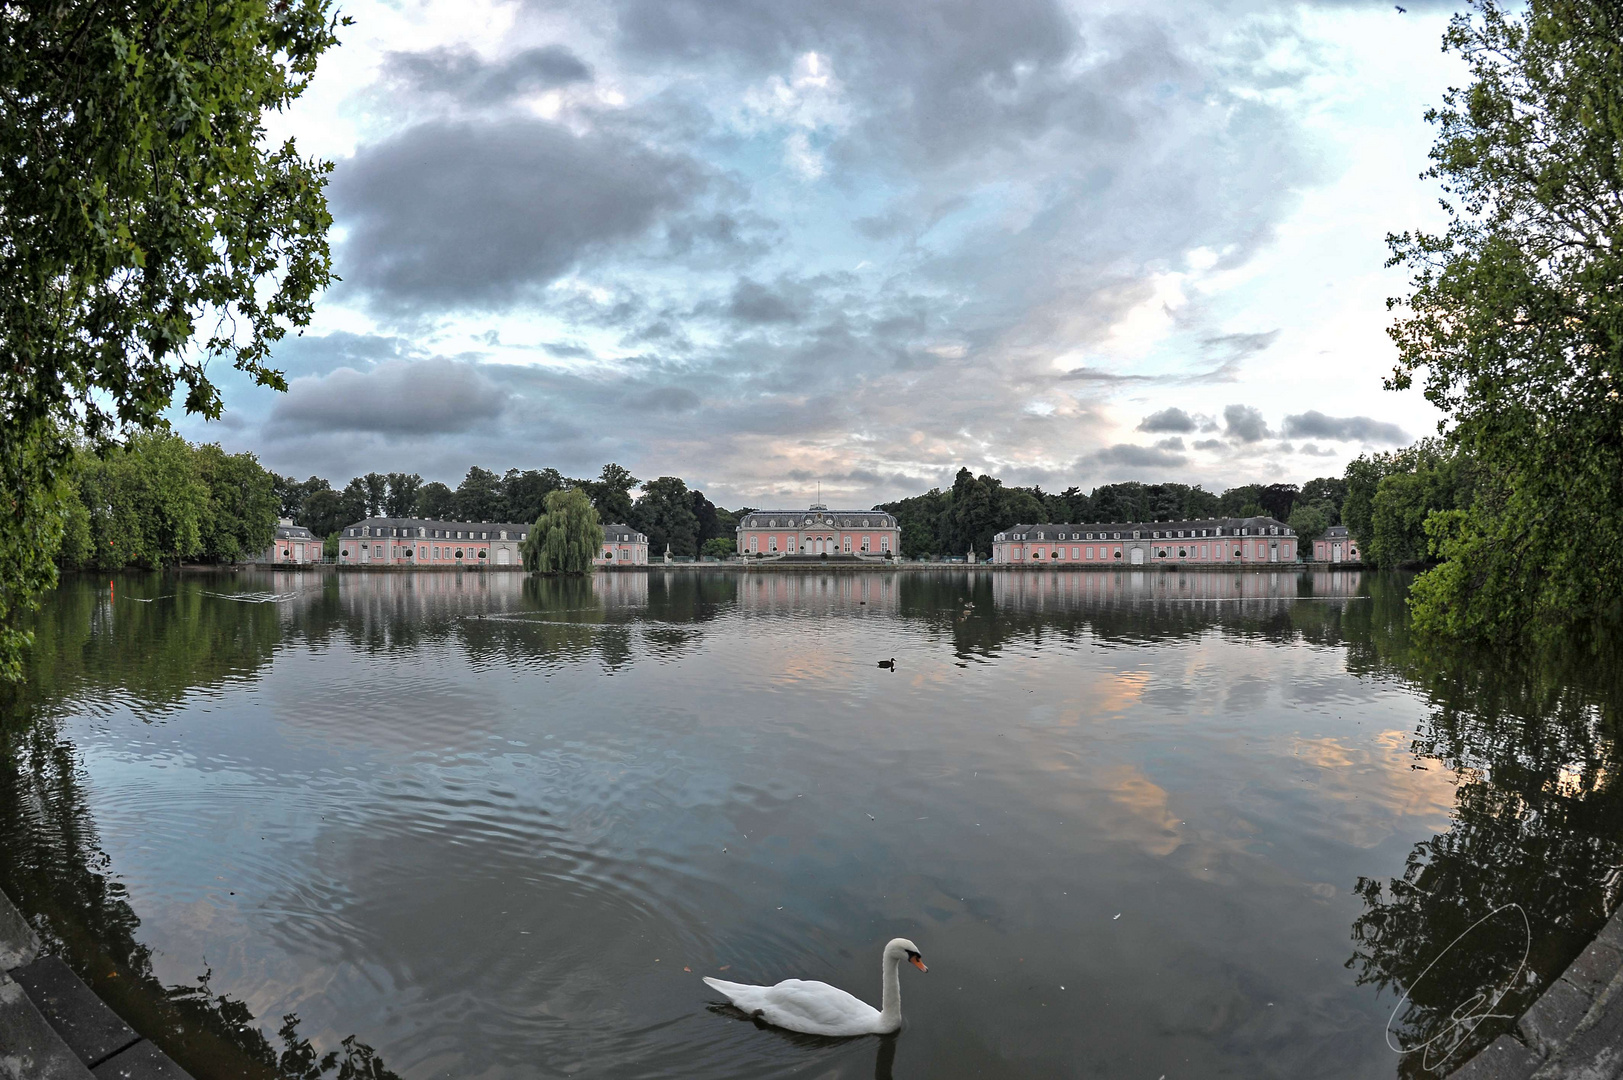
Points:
(1140, 543)
(818, 531)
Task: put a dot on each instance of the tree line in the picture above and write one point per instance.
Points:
(666, 510)
(965, 517)
(156, 500)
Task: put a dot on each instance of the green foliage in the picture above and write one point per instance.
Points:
(566, 537)
(35, 506)
(146, 502)
(720, 546)
(611, 494)
(1515, 321)
(325, 512)
(664, 512)
(1405, 500)
(156, 501)
(479, 497)
(401, 500)
(240, 521)
(1326, 494)
(1308, 523)
(433, 501)
(138, 197)
(525, 492)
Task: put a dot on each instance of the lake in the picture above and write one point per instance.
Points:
(1139, 824)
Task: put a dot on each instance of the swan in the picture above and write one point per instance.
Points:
(816, 1008)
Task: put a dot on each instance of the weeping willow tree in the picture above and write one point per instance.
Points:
(567, 536)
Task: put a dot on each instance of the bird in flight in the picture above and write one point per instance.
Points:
(1401, 10)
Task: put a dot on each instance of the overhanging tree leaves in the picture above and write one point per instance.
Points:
(146, 227)
(1516, 319)
(566, 538)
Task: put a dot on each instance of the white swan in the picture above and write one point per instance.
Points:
(817, 1008)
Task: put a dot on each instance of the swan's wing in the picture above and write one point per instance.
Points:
(812, 1007)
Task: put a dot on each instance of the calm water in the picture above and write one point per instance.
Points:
(1139, 824)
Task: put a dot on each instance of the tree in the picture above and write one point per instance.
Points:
(1326, 494)
(1277, 500)
(1308, 523)
(721, 547)
(435, 500)
(401, 501)
(1405, 500)
(354, 501)
(138, 195)
(566, 537)
(1514, 324)
(974, 517)
(1244, 501)
(479, 497)
(664, 512)
(706, 518)
(526, 492)
(376, 486)
(611, 493)
(145, 502)
(240, 519)
(325, 513)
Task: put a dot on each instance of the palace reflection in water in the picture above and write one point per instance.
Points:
(462, 817)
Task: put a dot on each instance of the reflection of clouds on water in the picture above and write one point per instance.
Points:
(1375, 785)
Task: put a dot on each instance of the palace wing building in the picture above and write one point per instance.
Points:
(429, 543)
(818, 531)
(1144, 543)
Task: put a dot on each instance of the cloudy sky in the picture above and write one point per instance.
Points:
(759, 244)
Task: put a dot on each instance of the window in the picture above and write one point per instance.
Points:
(772, 543)
(865, 545)
(789, 546)
(1076, 553)
(848, 545)
(755, 543)
(1089, 552)
(884, 543)
(625, 553)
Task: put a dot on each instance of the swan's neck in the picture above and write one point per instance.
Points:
(890, 1002)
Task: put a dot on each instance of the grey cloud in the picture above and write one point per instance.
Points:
(1098, 375)
(464, 74)
(1237, 347)
(1174, 443)
(1316, 451)
(942, 76)
(1245, 423)
(1209, 444)
(399, 398)
(449, 214)
(1169, 419)
(755, 303)
(665, 399)
(1145, 457)
(1316, 425)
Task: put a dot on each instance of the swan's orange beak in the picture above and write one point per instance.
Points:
(917, 962)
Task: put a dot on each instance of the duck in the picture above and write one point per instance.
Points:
(891, 663)
(816, 1008)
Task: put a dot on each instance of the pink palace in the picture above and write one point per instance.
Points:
(1141, 543)
(818, 531)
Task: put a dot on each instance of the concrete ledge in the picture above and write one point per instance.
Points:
(1574, 1031)
(54, 1027)
(93, 1031)
(30, 1049)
